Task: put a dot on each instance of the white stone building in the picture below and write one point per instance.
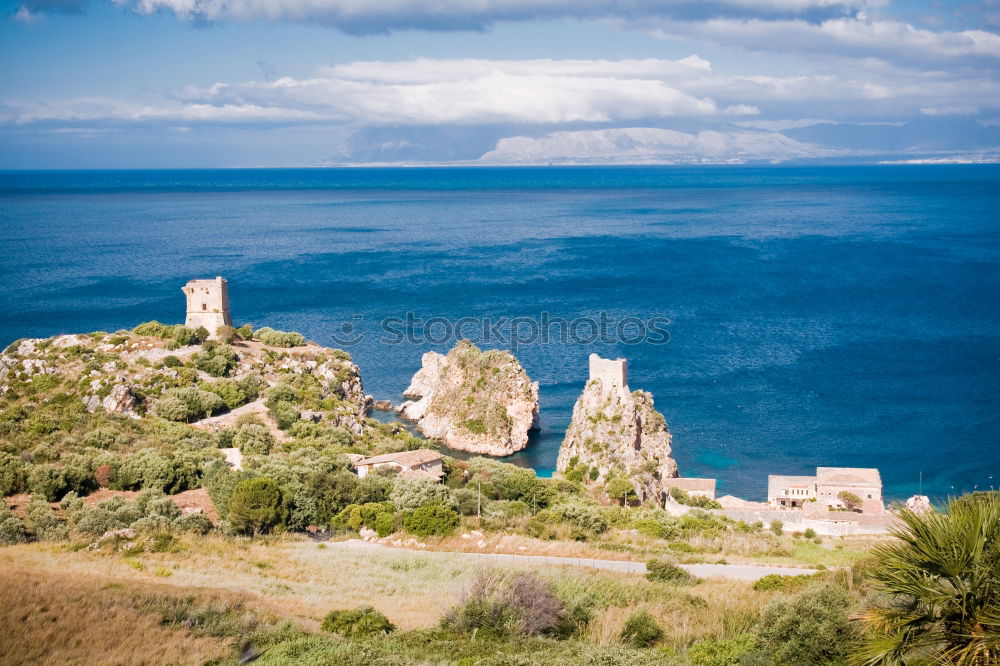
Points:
(419, 464)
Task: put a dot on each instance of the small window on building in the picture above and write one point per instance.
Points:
(204, 306)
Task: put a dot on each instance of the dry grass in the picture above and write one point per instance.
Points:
(51, 617)
(296, 579)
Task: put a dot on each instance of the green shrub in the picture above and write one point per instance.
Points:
(784, 583)
(357, 623)
(619, 489)
(252, 438)
(284, 415)
(408, 494)
(172, 361)
(273, 338)
(215, 359)
(257, 505)
(641, 630)
(96, 520)
(810, 533)
(713, 652)
(503, 604)
(13, 474)
(777, 527)
(197, 523)
(43, 522)
(431, 519)
(581, 515)
(811, 628)
(665, 572)
(47, 481)
(384, 524)
(11, 527)
(154, 329)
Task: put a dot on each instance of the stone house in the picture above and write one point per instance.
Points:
(790, 492)
(693, 487)
(795, 492)
(419, 464)
(866, 483)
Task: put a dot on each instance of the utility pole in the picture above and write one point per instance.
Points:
(479, 499)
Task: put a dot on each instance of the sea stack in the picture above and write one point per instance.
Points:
(473, 400)
(615, 430)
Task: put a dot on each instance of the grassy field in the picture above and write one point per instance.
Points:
(198, 602)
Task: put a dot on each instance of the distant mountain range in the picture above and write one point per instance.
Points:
(922, 139)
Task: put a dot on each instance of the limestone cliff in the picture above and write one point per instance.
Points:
(473, 400)
(615, 431)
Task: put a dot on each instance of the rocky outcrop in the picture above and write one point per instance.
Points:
(473, 400)
(617, 432)
(119, 401)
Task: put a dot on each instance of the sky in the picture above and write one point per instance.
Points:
(268, 83)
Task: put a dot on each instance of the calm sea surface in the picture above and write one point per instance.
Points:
(818, 316)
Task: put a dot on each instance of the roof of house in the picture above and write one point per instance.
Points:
(732, 502)
(778, 482)
(863, 476)
(434, 475)
(407, 458)
(689, 483)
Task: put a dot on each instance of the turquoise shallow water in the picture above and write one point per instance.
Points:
(818, 316)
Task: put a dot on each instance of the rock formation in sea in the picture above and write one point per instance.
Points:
(616, 433)
(473, 400)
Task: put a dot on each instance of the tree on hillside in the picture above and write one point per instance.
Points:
(257, 505)
(941, 585)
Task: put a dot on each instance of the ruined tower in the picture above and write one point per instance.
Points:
(611, 372)
(207, 304)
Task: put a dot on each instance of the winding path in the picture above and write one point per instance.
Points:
(746, 572)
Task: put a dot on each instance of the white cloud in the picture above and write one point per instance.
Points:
(637, 145)
(965, 110)
(890, 40)
(543, 91)
(470, 91)
(356, 16)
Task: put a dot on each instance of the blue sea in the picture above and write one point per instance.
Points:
(843, 316)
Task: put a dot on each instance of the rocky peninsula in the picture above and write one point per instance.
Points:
(473, 400)
(617, 434)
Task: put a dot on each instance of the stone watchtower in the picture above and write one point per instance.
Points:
(611, 372)
(207, 304)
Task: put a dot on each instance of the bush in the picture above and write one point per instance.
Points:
(641, 630)
(257, 506)
(505, 604)
(619, 489)
(851, 501)
(357, 623)
(784, 583)
(812, 628)
(273, 338)
(11, 527)
(712, 652)
(217, 360)
(154, 329)
(682, 496)
(777, 527)
(96, 520)
(665, 572)
(431, 519)
(581, 515)
(194, 522)
(408, 494)
(252, 438)
(43, 522)
(172, 409)
(385, 524)
(284, 415)
(47, 481)
(13, 474)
